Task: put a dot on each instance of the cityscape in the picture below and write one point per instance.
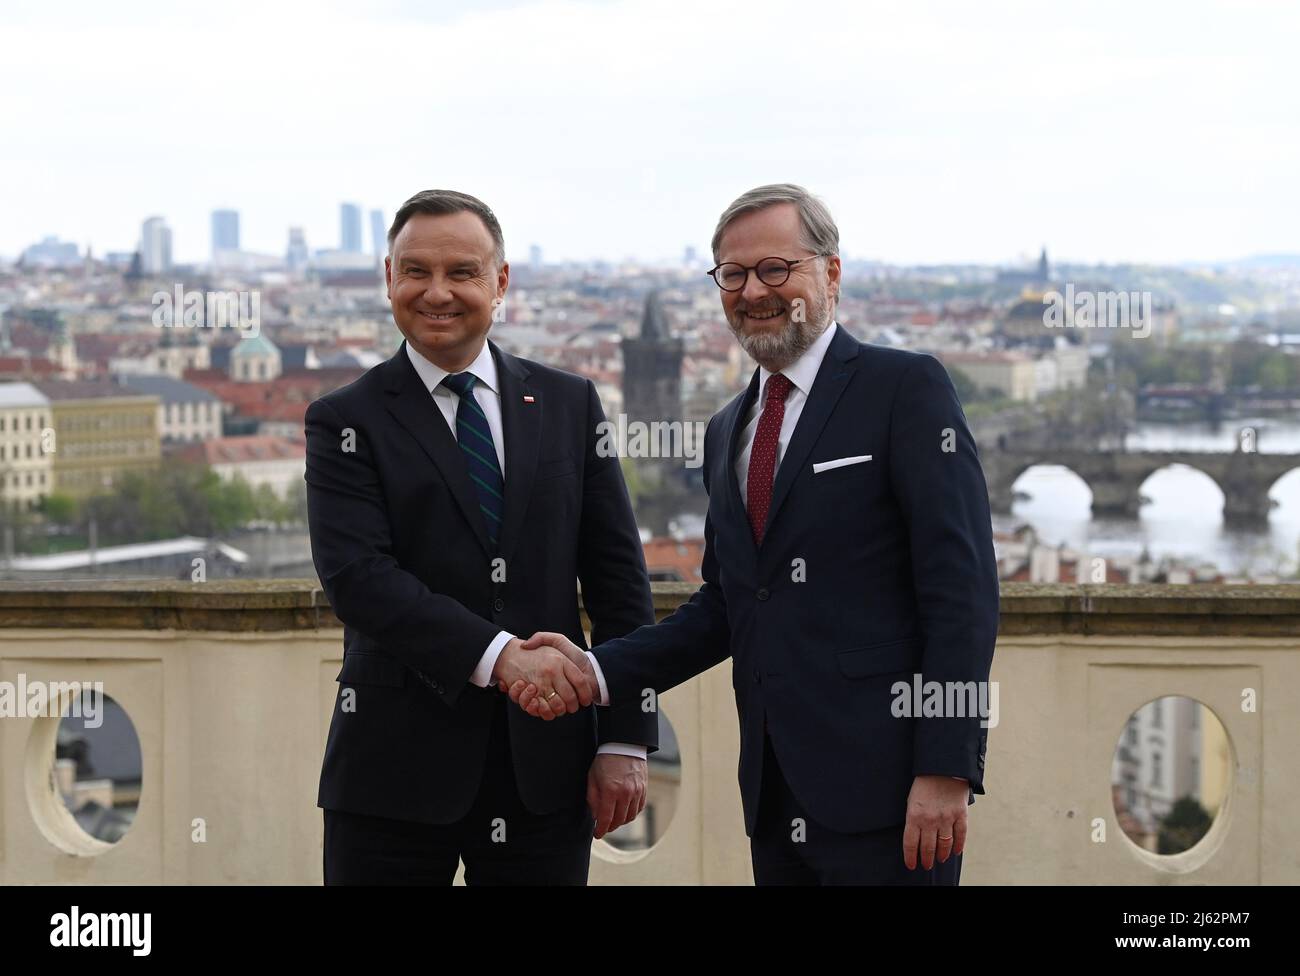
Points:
(121, 367)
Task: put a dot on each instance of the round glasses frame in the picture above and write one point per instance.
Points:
(772, 275)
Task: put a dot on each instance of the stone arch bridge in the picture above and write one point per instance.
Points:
(1116, 478)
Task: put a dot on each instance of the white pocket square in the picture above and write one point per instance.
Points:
(821, 466)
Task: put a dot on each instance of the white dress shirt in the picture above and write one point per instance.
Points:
(802, 373)
(487, 394)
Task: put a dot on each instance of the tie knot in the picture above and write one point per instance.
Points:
(459, 383)
(778, 387)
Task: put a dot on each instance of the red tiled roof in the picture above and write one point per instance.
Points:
(685, 558)
(241, 450)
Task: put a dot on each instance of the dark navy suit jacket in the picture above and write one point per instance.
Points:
(868, 574)
(403, 556)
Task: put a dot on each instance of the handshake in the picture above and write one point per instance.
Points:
(547, 675)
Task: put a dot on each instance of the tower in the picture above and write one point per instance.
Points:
(652, 368)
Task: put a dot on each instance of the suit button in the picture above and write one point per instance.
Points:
(763, 594)
(498, 604)
(757, 679)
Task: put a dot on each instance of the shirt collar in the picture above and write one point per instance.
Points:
(803, 370)
(484, 368)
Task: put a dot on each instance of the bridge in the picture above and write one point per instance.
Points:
(1116, 478)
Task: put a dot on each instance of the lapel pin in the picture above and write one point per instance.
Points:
(529, 399)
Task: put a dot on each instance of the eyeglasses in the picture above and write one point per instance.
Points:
(771, 272)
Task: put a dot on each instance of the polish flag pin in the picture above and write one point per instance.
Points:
(529, 399)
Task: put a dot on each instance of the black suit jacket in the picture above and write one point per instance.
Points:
(402, 554)
(899, 577)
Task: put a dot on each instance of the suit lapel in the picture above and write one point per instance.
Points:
(837, 368)
(522, 428)
(735, 424)
(413, 407)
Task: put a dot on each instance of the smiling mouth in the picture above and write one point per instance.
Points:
(764, 314)
(440, 316)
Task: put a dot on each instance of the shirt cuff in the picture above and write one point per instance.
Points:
(622, 749)
(482, 675)
(600, 680)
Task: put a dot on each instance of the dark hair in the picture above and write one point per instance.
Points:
(441, 202)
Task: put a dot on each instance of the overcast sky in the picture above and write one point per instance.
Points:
(963, 131)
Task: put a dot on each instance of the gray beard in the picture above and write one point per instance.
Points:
(776, 352)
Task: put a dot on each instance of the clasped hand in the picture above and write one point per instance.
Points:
(547, 675)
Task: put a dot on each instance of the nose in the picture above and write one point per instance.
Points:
(438, 291)
(754, 290)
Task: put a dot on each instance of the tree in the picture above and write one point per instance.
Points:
(965, 386)
(1183, 827)
(59, 509)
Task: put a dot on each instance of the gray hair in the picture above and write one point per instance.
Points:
(818, 232)
(442, 202)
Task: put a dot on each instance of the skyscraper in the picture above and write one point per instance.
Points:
(378, 233)
(155, 246)
(535, 256)
(225, 231)
(350, 228)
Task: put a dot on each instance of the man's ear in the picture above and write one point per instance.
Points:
(833, 270)
(503, 280)
(388, 276)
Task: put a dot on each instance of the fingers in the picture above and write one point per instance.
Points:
(568, 696)
(929, 840)
(943, 849)
(593, 795)
(545, 637)
(604, 812)
(623, 811)
(546, 707)
(573, 652)
(959, 835)
(581, 683)
(528, 697)
(911, 839)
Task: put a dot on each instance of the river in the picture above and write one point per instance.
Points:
(1184, 517)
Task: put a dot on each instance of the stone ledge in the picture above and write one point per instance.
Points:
(300, 604)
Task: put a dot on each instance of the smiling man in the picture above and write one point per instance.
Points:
(455, 499)
(848, 546)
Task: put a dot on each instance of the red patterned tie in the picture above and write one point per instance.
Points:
(762, 456)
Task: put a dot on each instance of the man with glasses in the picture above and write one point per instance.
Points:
(848, 553)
